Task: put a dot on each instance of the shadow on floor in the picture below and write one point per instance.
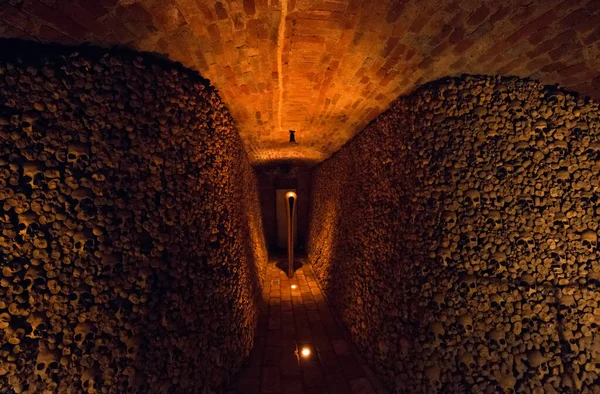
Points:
(282, 264)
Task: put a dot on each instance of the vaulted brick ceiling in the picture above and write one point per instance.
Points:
(325, 68)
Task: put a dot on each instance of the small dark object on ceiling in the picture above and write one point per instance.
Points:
(292, 138)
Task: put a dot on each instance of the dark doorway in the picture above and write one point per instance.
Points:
(273, 179)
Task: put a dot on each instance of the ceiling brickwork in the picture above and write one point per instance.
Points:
(325, 68)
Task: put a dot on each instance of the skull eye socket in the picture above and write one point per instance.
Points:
(72, 156)
(78, 337)
(40, 366)
(53, 365)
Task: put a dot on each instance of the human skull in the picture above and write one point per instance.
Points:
(28, 223)
(498, 260)
(536, 360)
(432, 374)
(497, 337)
(559, 147)
(472, 197)
(83, 331)
(589, 240)
(33, 173)
(449, 219)
(494, 219)
(37, 323)
(472, 239)
(46, 359)
(78, 153)
(497, 301)
(525, 201)
(467, 284)
(526, 241)
(81, 241)
(507, 382)
(88, 380)
(437, 328)
(466, 323)
(444, 256)
(567, 303)
(560, 220)
(466, 362)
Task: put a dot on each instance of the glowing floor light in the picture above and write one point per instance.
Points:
(305, 352)
(294, 287)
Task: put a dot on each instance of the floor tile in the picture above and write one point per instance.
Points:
(293, 319)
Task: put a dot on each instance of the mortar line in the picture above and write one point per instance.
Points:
(280, 38)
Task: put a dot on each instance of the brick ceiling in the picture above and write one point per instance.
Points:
(325, 68)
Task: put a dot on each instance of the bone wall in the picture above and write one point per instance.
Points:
(131, 246)
(456, 237)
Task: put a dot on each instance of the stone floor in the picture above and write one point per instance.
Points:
(294, 317)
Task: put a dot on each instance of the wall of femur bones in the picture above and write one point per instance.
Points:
(131, 238)
(456, 237)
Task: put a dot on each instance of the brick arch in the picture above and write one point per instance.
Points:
(329, 67)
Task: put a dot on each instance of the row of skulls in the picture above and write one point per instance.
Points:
(123, 253)
(457, 238)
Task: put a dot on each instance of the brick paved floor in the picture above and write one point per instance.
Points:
(293, 319)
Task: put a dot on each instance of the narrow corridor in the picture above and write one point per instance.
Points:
(299, 347)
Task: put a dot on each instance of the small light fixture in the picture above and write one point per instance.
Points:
(294, 286)
(305, 352)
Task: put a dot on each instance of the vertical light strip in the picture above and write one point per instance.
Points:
(280, 38)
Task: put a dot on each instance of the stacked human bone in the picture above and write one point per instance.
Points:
(457, 238)
(131, 243)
